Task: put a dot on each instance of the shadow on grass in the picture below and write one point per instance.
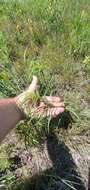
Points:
(64, 121)
(63, 174)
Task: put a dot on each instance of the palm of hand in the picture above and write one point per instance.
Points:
(48, 105)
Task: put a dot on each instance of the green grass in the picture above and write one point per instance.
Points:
(51, 39)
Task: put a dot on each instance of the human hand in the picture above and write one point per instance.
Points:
(31, 104)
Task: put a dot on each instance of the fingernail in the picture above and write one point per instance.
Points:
(60, 110)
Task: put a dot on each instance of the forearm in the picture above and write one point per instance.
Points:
(10, 115)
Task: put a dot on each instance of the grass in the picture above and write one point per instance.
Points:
(52, 40)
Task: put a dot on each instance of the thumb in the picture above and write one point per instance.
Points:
(33, 85)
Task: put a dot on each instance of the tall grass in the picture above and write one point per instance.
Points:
(50, 39)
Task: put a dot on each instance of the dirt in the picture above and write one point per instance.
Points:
(61, 162)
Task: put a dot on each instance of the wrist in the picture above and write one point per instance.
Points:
(16, 103)
(26, 102)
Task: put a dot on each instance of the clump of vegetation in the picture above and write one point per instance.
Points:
(50, 39)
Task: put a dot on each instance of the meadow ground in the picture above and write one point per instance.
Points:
(50, 39)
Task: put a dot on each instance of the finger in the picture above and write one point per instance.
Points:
(52, 101)
(53, 104)
(56, 104)
(53, 112)
(33, 84)
(52, 98)
(57, 112)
